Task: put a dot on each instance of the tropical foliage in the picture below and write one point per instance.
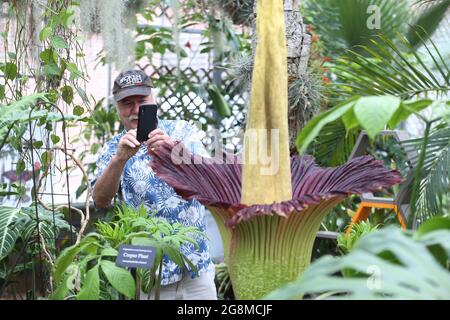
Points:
(390, 264)
(86, 271)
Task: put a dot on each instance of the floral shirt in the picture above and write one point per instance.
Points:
(139, 185)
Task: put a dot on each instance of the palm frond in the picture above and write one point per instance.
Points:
(346, 24)
(334, 144)
(428, 21)
(435, 175)
(390, 70)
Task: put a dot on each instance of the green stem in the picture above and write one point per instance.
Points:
(158, 283)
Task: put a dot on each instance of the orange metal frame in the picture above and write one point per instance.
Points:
(364, 211)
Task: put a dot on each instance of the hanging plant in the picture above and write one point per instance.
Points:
(112, 20)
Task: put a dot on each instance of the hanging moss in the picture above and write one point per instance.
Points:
(111, 21)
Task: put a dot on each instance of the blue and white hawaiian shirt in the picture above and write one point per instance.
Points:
(140, 185)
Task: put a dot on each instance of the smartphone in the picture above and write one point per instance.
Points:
(147, 122)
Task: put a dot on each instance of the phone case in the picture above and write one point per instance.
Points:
(147, 121)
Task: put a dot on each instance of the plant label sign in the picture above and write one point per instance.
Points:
(136, 256)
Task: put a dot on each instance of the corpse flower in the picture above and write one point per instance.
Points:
(267, 245)
(268, 222)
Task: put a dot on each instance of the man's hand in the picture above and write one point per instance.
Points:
(128, 146)
(157, 138)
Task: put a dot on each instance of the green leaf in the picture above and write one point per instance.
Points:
(45, 33)
(91, 286)
(20, 166)
(52, 69)
(8, 234)
(313, 127)
(48, 56)
(373, 113)
(219, 102)
(65, 260)
(406, 109)
(2, 92)
(74, 71)
(55, 139)
(110, 252)
(58, 43)
(414, 274)
(62, 290)
(119, 278)
(38, 144)
(67, 94)
(66, 17)
(349, 119)
(78, 110)
(10, 70)
(436, 223)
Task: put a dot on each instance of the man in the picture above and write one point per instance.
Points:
(123, 163)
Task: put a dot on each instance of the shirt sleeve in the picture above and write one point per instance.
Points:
(103, 160)
(192, 139)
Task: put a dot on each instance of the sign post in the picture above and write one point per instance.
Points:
(133, 257)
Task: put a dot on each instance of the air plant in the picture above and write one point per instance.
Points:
(268, 222)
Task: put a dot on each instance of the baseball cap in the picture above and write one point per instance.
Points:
(131, 83)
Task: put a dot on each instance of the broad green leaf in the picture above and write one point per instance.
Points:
(10, 70)
(51, 69)
(174, 255)
(65, 259)
(38, 144)
(2, 92)
(58, 43)
(406, 109)
(91, 286)
(55, 139)
(436, 223)
(67, 94)
(8, 234)
(66, 16)
(373, 113)
(62, 290)
(48, 56)
(111, 252)
(415, 273)
(45, 33)
(119, 278)
(78, 110)
(74, 71)
(313, 127)
(349, 119)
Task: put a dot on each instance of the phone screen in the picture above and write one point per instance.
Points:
(147, 122)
